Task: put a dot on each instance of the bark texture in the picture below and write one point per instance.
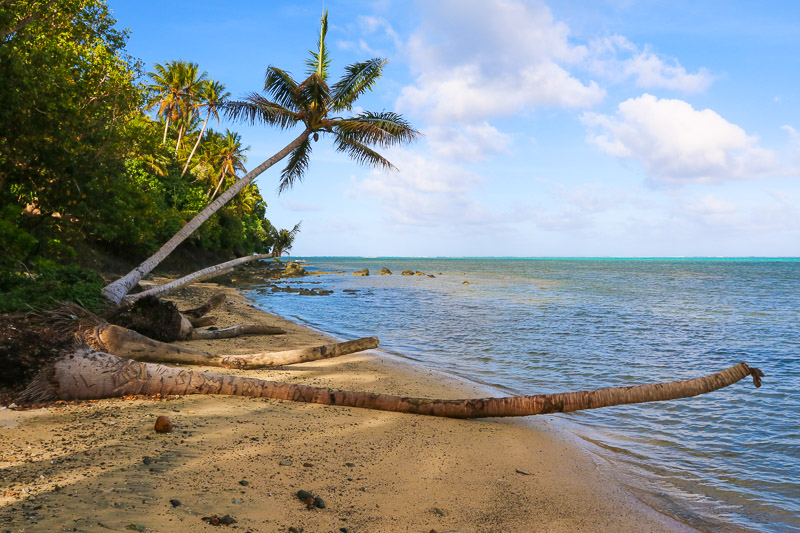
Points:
(194, 277)
(88, 374)
(236, 331)
(127, 343)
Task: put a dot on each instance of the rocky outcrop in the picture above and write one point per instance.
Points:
(407, 272)
(364, 272)
(385, 272)
(293, 270)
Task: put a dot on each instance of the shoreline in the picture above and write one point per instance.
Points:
(376, 471)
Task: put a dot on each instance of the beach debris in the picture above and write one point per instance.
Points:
(351, 465)
(523, 472)
(163, 425)
(385, 272)
(307, 465)
(244, 483)
(364, 272)
(310, 500)
(136, 527)
(285, 462)
(215, 520)
(438, 511)
(175, 503)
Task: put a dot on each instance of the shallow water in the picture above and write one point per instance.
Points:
(729, 460)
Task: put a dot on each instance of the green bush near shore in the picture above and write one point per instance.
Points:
(48, 285)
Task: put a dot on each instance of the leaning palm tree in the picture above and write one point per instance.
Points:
(314, 105)
(213, 95)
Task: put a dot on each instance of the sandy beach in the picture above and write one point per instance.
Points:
(99, 466)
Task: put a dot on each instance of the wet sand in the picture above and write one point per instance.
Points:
(99, 466)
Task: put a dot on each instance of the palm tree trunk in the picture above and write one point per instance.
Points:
(166, 127)
(219, 183)
(86, 375)
(194, 277)
(196, 144)
(117, 290)
(180, 137)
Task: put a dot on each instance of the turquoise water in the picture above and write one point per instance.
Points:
(729, 460)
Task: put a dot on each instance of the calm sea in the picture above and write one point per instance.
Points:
(729, 460)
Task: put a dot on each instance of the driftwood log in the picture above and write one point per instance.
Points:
(88, 374)
(127, 343)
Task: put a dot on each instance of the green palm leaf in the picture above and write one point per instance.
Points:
(358, 78)
(297, 165)
(319, 61)
(382, 129)
(255, 108)
(283, 89)
(361, 153)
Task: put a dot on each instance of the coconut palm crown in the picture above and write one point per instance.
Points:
(315, 104)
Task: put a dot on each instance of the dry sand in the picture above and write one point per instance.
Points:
(99, 466)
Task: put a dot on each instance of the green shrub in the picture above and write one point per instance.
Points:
(47, 285)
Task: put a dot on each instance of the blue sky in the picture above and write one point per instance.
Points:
(583, 128)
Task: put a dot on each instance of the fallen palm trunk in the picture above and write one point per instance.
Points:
(124, 342)
(87, 374)
(214, 302)
(194, 277)
(202, 322)
(236, 331)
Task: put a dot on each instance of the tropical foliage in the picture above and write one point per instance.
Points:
(97, 155)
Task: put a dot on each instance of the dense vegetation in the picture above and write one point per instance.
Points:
(97, 154)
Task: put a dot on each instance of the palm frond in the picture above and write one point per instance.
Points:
(255, 108)
(297, 165)
(358, 79)
(361, 153)
(382, 129)
(283, 89)
(315, 91)
(319, 61)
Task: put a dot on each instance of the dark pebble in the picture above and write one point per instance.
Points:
(244, 483)
(147, 460)
(319, 503)
(175, 503)
(351, 465)
(307, 465)
(304, 496)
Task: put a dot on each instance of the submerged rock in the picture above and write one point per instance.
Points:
(293, 270)
(407, 272)
(364, 272)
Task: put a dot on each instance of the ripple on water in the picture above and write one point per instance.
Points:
(725, 461)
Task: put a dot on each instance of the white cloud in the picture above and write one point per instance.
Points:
(677, 144)
(616, 58)
(490, 60)
(424, 192)
(470, 143)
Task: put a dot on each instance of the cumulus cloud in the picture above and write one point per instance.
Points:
(470, 143)
(618, 59)
(676, 143)
(491, 60)
(424, 192)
